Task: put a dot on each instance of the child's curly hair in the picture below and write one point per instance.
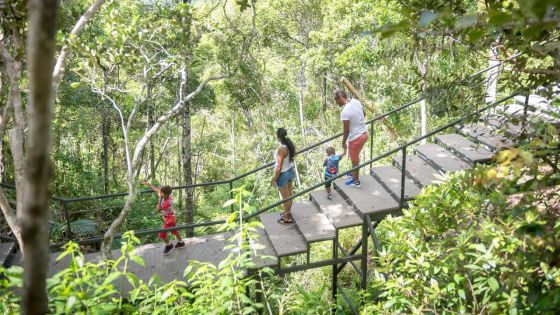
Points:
(166, 190)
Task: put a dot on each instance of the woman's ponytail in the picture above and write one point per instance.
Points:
(283, 136)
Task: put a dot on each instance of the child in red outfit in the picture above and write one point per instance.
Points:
(165, 207)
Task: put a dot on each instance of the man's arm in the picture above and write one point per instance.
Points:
(345, 132)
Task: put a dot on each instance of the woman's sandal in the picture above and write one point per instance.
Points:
(283, 220)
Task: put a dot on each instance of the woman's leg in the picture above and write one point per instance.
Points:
(285, 193)
(290, 193)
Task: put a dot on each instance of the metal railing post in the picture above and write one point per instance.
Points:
(403, 176)
(364, 254)
(67, 219)
(371, 145)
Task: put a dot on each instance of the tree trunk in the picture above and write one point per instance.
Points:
(105, 130)
(35, 215)
(492, 80)
(106, 246)
(302, 85)
(422, 63)
(325, 93)
(187, 161)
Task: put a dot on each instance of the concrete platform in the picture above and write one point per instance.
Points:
(168, 268)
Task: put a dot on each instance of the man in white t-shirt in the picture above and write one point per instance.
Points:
(354, 131)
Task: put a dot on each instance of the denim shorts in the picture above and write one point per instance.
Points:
(286, 177)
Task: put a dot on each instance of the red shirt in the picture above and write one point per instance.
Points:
(166, 206)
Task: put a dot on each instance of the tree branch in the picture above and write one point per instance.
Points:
(549, 72)
(58, 71)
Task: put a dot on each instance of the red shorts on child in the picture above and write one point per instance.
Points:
(168, 222)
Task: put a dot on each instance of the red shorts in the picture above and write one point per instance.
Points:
(355, 146)
(169, 222)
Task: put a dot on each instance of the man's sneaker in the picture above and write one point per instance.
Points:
(355, 184)
(168, 249)
(349, 182)
(349, 175)
(180, 245)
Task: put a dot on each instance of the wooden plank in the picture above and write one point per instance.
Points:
(419, 170)
(471, 151)
(314, 225)
(286, 239)
(6, 250)
(265, 256)
(485, 136)
(370, 199)
(441, 158)
(337, 210)
(390, 177)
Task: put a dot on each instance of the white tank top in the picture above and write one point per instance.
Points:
(286, 163)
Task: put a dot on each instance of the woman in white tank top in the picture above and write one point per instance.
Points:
(284, 173)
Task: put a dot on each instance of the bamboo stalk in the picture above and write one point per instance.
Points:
(385, 123)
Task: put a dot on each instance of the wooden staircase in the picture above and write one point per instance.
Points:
(320, 220)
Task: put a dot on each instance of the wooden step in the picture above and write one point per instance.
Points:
(418, 169)
(486, 136)
(371, 199)
(390, 177)
(337, 210)
(286, 239)
(469, 150)
(441, 158)
(6, 249)
(313, 224)
(266, 255)
(506, 126)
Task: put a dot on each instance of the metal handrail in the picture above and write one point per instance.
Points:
(270, 164)
(309, 189)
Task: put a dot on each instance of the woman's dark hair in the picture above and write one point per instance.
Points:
(166, 190)
(283, 136)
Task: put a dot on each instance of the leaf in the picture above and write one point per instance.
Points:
(229, 203)
(493, 283)
(138, 260)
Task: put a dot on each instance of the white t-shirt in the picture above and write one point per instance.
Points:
(353, 111)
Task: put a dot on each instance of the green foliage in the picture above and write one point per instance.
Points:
(97, 287)
(464, 248)
(81, 228)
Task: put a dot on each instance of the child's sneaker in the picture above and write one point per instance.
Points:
(168, 249)
(355, 184)
(349, 182)
(329, 196)
(180, 245)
